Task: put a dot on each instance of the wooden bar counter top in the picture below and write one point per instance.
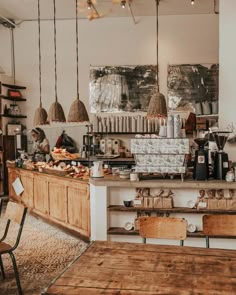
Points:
(116, 181)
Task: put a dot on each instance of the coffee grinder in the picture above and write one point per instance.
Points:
(201, 169)
(221, 162)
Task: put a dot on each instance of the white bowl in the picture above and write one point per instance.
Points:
(191, 228)
(128, 226)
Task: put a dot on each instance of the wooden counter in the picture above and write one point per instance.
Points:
(60, 200)
(116, 181)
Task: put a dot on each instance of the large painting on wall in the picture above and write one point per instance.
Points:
(121, 88)
(190, 85)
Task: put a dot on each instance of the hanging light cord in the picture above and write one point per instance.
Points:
(39, 43)
(77, 48)
(13, 56)
(157, 28)
(55, 47)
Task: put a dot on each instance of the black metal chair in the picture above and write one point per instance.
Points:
(1, 205)
(14, 213)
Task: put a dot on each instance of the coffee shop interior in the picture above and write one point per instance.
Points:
(117, 146)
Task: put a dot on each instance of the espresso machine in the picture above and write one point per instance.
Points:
(201, 169)
(221, 162)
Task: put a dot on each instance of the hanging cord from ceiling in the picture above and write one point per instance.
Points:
(157, 45)
(13, 56)
(55, 47)
(92, 6)
(131, 12)
(215, 5)
(77, 46)
(39, 44)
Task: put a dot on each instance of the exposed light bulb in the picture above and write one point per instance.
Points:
(192, 2)
(122, 3)
(89, 2)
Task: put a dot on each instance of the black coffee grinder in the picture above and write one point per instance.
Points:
(221, 162)
(201, 169)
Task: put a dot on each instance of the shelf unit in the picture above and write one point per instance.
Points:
(8, 142)
(167, 212)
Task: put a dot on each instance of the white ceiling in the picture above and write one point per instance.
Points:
(27, 9)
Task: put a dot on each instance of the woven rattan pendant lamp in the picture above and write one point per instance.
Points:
(56, 113)
(157, 105)
(78, 112)
(40, 115)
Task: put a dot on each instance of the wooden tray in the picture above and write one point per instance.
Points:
(61, 157)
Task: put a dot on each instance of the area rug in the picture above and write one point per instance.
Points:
(44, 251)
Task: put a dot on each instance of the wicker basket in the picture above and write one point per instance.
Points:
(56, 172)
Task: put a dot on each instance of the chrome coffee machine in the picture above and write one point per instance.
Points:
(221, 162)
(201, 169)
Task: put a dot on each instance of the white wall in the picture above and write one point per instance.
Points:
(108, 41)
(227, 87)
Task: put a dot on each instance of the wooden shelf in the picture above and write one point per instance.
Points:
(123, 232)
(13, 86)
(13, 116)
(123, 133)
(208, 116)
(12, 98)
(120, 208)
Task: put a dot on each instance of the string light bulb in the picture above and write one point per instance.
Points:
(89, 2)
(122, 3)
(192, 2)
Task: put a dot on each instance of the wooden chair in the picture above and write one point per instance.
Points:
(218, 225)
(14, 213)
(163, 228)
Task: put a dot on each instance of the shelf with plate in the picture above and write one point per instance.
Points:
(123, 232)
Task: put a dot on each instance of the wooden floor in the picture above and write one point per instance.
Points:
(134, 269)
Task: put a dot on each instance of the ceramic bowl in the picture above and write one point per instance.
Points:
(191, 228)
(128, 203)
(128, 226)
(191, 204)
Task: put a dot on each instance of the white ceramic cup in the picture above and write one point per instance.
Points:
(134, 176)
(191, 228)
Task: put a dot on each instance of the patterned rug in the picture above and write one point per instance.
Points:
(44, 251)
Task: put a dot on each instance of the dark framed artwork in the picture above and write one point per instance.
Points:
(188, 84)
(121, 88)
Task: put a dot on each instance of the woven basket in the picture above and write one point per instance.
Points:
(56, 172)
